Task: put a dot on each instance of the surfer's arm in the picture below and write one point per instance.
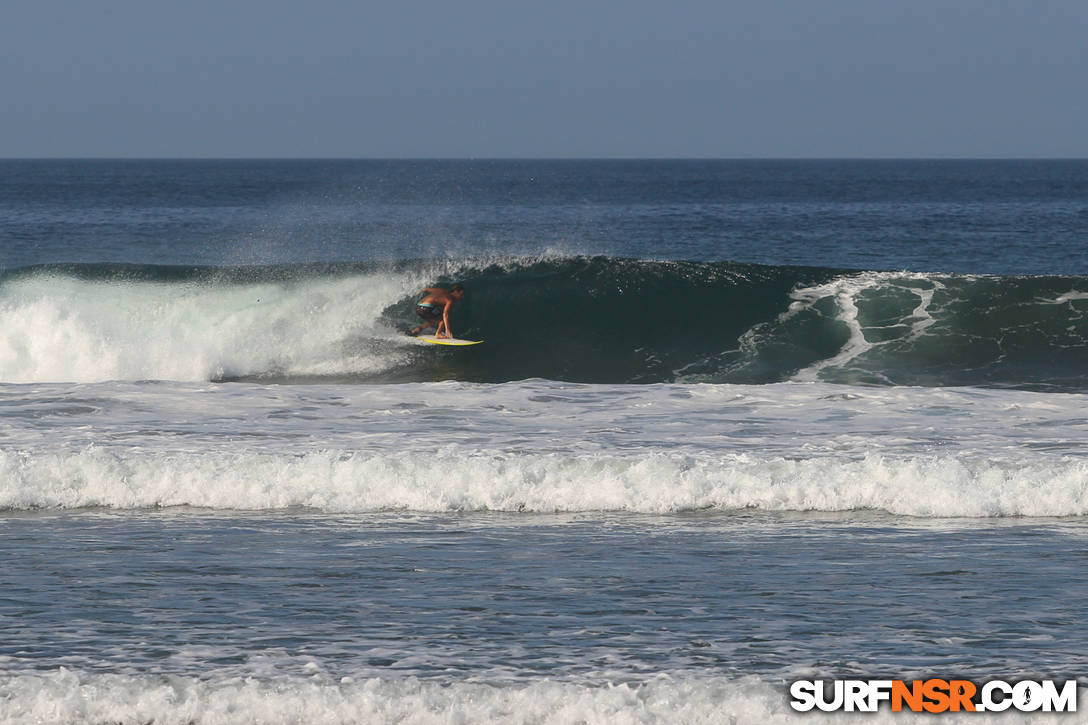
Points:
(445, 324)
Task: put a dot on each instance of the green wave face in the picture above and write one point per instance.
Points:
(579, 319)
(617, 320)
(613, 320)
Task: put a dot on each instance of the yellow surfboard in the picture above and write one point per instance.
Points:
(447, 340)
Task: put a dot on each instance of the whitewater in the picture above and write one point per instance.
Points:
(544, 446)
(733, 424)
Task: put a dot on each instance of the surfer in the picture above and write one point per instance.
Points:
(434, 309)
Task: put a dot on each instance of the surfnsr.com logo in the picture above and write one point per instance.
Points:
(933, 695)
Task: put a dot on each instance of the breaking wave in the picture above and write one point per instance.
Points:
(585, 319)
(356, 482)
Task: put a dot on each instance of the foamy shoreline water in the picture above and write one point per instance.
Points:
(67, 696)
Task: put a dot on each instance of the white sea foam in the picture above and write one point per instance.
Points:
(67, 696)
(845, 292)
(59, 328)
(543, 446)
(1073, 296)
(338, 481)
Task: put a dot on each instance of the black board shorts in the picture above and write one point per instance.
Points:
(430, 314)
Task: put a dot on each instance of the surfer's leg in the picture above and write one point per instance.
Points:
(430, 317)
(423, 327)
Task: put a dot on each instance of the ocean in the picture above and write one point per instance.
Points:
(733, 424)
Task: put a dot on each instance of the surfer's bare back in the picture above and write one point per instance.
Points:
(434, 309)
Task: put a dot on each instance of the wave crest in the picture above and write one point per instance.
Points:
(343, 482)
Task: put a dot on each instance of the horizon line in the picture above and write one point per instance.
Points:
(543, 158)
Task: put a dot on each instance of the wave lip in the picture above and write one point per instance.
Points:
(342, 482)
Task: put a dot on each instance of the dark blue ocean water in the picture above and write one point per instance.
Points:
(967, 217)
(733, 423)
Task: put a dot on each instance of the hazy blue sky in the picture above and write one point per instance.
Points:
(549, 78)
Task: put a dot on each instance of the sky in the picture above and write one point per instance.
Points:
(544, 79)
